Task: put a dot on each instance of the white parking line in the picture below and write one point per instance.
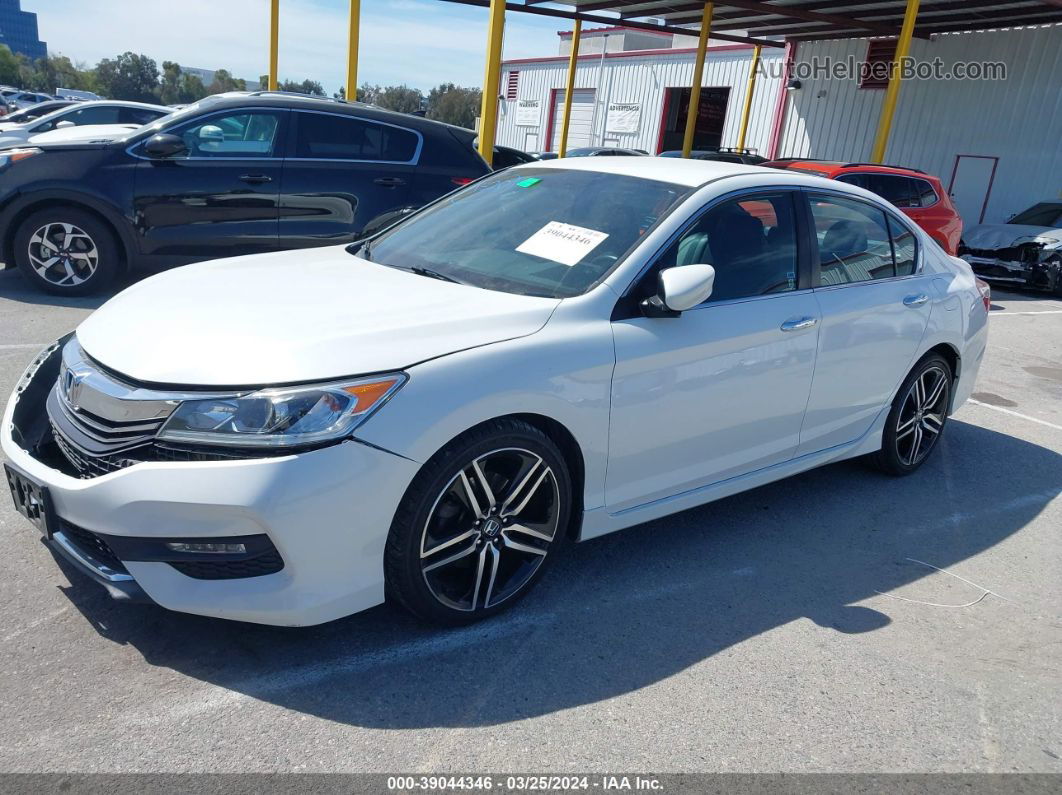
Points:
(1040, 312)
(1015, 414)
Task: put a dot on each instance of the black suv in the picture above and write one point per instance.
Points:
(232, 174)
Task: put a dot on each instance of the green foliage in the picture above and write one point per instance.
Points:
(305, 87)
(129, 76)
(402, 99)
(223, 81)
(9, 72)
(454, 105)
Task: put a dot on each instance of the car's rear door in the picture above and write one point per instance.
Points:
(874, 302)
(720, 390)
(219, 198)
(342, 171)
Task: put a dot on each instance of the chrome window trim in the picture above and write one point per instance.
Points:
(278, 158)
(892, 215)
(411, 162)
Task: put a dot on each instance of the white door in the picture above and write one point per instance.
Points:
(581, 128)
(720, 390)
(970, 187)
(874, 310)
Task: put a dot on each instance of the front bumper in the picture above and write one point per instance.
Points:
(1046, 275)
(327, 512)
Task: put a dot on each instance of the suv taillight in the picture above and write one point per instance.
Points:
(461, 181)
(986, 294)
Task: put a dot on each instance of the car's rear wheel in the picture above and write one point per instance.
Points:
(67, 251)
(917, 418)
(479, 524)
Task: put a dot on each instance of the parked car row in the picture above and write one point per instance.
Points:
(232, 174)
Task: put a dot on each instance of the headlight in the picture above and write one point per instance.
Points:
(14, 155)
(286, 417)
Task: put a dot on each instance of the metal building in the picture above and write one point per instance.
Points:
(996, 143)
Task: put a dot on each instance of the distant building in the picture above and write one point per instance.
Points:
(18, 30)
(207, 76)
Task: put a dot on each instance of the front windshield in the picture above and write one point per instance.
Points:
(1043, 214)
(532, 231)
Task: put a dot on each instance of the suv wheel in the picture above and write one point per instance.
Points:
(67, 251)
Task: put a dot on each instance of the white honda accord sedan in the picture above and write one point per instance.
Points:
(552, 353)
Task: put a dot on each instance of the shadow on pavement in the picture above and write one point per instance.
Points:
(15, 287)
(625, 611)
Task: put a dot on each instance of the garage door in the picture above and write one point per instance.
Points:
(580, 132)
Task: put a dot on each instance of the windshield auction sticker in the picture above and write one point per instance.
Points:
(563, 243)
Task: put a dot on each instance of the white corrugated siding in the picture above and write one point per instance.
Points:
(1018, 120)
(643, 79)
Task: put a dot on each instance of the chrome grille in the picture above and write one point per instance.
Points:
(89, 466)
(111, 436)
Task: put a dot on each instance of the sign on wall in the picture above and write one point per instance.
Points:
(528, 112)
(623, 117)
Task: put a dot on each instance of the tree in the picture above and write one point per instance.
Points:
(368, 93)
(129, 76)
(224, 81)
(311, 87)
(341, 94)
(454, 105)
(402, 99)
(9, 71)
(170, 87)
(192, 89)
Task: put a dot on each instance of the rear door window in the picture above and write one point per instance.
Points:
(853, 239)
(326, 136)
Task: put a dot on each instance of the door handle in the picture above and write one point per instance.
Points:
(798, 323)
(255, 179)
(389, 182)
(915, 300)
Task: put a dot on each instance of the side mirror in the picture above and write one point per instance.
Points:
(681, 288)
(64, 125)
(164, 145)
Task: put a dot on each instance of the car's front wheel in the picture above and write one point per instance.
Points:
(479, 523)
(67, 251)
(917, 418)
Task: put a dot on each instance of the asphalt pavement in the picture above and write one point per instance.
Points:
(840, 620)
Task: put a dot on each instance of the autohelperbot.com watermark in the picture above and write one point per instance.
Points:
(908, 68)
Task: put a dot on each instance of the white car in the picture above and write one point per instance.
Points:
(555, 352)
(1026, 250)
(84, 113)
(96, 133)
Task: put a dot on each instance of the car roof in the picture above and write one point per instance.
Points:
(691, 173)
(835, 167)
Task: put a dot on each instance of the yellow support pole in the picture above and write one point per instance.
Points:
(698, 76)
(569, 89)
(748, 97)
(274, 43)
(488, 115)
(892, 93)
(352, 50)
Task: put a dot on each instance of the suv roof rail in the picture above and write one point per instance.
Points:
(884, 165)
(301, 94)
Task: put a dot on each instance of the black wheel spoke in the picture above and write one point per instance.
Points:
(922, 415)
(490, 529)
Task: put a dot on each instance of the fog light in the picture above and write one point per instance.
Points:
(215, 549)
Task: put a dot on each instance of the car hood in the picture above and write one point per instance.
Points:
(295, 316)
(990, 236)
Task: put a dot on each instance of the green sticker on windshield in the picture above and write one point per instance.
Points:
(527, 183)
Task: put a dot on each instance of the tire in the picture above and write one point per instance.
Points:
(917, 419)
(67, 251)
(454, 555)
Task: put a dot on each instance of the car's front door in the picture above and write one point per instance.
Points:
(720, 390)
(341, 173)
(875, 304)
(219, 197)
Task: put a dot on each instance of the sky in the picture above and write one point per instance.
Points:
(420, 43)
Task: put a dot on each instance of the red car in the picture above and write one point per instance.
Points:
(918, 195)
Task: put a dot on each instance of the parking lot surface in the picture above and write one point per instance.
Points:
(837, 621)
